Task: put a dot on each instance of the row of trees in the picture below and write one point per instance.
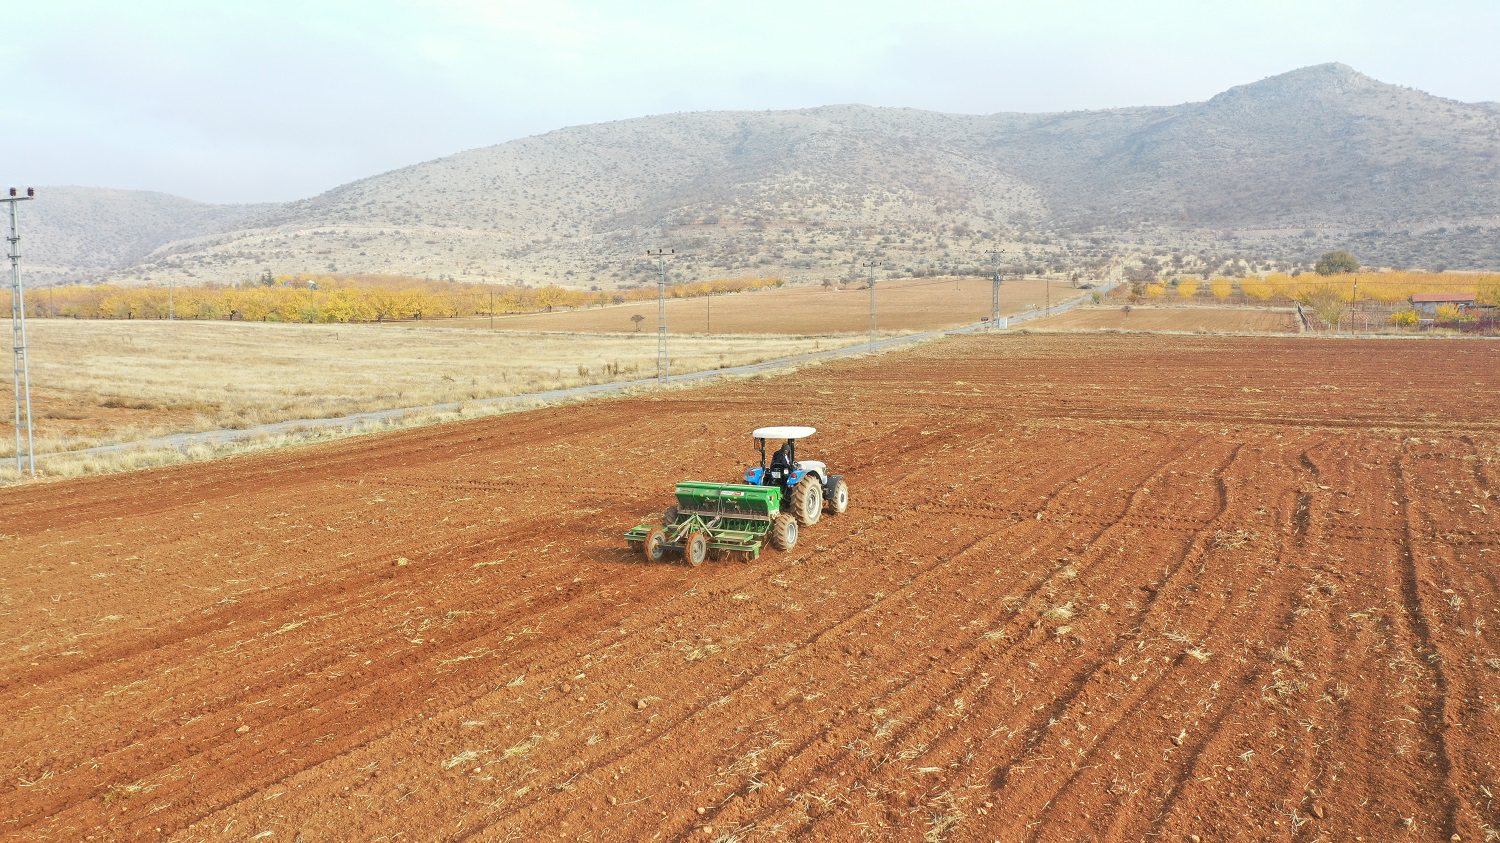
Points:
(1381, 287)
(1344, 296)
(365, 298)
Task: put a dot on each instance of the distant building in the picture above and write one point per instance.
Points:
(1428, 303)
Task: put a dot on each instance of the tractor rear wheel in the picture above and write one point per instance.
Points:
(669, 517)
(784, 532)
(807, 501)
(695, 548)
(838, 497)
(656, 544)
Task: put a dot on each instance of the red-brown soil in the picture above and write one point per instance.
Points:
(908, 305)
(1090, 588)
(1191, 318)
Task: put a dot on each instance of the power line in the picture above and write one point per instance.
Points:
(662, 365)
(25, 447)
(995, 287)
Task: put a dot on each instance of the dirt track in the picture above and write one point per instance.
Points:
(1090, 588)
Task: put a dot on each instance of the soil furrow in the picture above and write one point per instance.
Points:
(1113, 587)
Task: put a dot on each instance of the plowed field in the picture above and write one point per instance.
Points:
(923, 304)
(1090, 588)
(1198, 319)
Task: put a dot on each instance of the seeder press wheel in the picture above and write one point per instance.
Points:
(656, 544)
(695, 548)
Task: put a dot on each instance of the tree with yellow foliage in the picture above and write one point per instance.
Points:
(386, 304)
(1258, 289)
(1406, 318)
(1451, 313)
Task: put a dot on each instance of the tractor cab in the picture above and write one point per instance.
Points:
(806, 483)
(784, 468)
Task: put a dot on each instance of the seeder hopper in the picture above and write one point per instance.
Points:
(731, 520)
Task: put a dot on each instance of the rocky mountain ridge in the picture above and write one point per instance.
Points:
(1281, 168)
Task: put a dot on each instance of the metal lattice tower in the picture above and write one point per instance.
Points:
(995, 287)
(662, 363)
(25, 448)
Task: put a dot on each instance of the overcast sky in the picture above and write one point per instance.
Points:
(237, 101)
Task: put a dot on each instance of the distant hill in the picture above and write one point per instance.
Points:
(80, 232)
(1287, 167)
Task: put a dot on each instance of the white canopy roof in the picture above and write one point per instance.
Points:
(783, 432)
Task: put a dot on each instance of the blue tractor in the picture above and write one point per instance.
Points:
(807, 485)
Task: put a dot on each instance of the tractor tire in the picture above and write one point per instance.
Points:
(807, 501)
(669, 517)
(695, 548)
(784, 532)
(656, 544)
(838, 497)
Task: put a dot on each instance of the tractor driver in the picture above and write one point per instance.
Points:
(781, 466)
(783, 457)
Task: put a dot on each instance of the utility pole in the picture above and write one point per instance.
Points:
(995, 287)
(661, 311)
(492, 307)
(171, 310)
(1354, 302)
(708, 324)
(25, 447)
(871, 265)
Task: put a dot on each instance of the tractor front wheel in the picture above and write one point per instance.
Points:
(807, 501)
(656, 544)
(838, 497)
(784, 532)
(695, 548)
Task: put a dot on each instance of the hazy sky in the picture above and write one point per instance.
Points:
(236, 101)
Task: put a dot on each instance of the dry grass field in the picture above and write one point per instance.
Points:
(918, 304)
(98, 382)
(108, 382)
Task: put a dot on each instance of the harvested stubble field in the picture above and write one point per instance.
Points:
(1238, 588)
(1196, 319)
(100, 382)
(924, 304)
